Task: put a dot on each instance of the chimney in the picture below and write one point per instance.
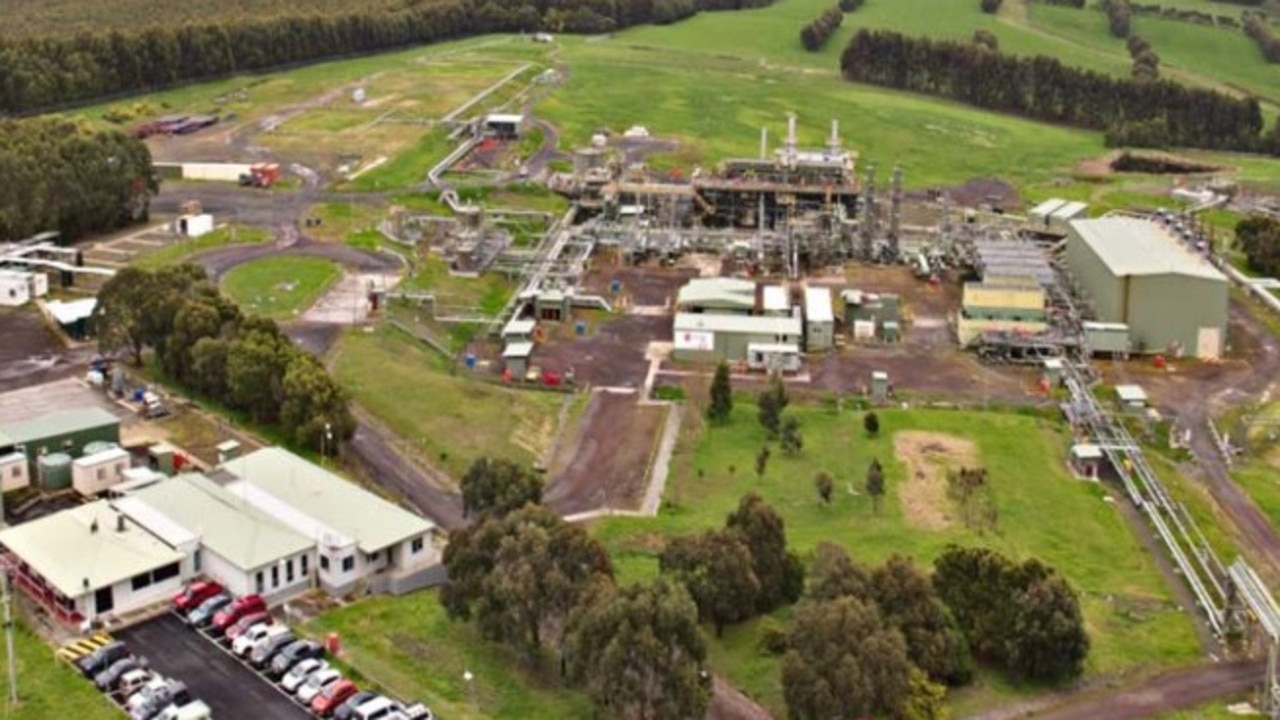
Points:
(93, 526)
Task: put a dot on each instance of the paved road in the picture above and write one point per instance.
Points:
(229, 689)
(1177, 689)
(217, 262)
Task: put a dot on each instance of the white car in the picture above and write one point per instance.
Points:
(133, 681)
(255, 636)
(142, 695)
(317, 682)
(293, 679)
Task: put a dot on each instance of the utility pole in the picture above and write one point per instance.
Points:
(8, 641)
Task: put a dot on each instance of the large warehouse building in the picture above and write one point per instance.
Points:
(1137, 273)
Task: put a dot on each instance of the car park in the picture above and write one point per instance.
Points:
(347, 710)
(260, 656)
(203, 613)
(245, 644)
(331, 697)
(107, 679)
(300, 672)
(194, 594)
(317, 683)
(195, 710)
(102, 658)
(291, 654)
(146, 705)
(236, 609)
(240, 626)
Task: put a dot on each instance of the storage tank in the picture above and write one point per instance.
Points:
(55, 471)
(98, 446)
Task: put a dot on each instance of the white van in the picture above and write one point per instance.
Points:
(376, 709)
(196, 710)
(255, 636)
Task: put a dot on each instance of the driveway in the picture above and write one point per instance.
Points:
(230, 689)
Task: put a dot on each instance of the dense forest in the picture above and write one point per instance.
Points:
(1153, 113)
(56, 175)
(45, 72)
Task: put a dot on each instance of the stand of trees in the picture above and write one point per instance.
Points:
(1151, 114)
(1119, 15)
(205, 344)
(57, 175)
(984, 38)
(850, 5)
(1259, 238)
(55, 71)
(1257, 27)
(1146, 63)
(814, 35)
(991, 7)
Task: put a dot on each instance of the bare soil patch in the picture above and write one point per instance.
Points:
(929, 457)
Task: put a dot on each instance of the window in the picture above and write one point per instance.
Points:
(288, 570)
(416, 546)
(141, 581)
(275, 576)
(324, 562)
(195, 560)
(349, 563)
(166, 572)
(17, 471)
(372, 557)
(304, 565)
(258, 582)
(102, 473)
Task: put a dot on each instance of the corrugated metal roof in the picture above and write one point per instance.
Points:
(1133, 246)
(518, 350)
(519, 327)
(331, 500)
(1047, 207)
(225, 523)
(774, 298)
(72, 310)
(817, 304)
(722, 291)
(59, 423)
(1069, 211)
(75, 560)
(749, 324)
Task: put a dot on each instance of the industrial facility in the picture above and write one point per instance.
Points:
(1143, 274)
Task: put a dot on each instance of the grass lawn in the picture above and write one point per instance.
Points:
(408, 168)
(1262, 483)
(340, 220)
(48, 689)
(452, 418)
(408, 646)
(279, 287)
(1043, 513)
(183, 249)
(489, 293)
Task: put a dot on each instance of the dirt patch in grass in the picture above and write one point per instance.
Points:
(928, 458)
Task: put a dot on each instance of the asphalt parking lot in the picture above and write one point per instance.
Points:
(230, 689)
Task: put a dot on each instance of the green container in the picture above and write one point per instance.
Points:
(55, 471)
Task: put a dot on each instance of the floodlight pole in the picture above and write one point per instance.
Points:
(8, 641)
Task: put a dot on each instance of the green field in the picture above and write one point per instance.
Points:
(451, 418)
(48, 689)
(279, 287)
(409, 647)
(1043, 513)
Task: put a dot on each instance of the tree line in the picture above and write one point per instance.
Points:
(814, 35)
(40, 73)
(204, 343)
(60, 175)
(1258, 237)
(1149, 114)
(1257, 27)
(1119, 16)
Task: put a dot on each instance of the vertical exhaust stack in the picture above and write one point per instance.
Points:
(833, 145)
(895, 209)
(764, 143)
(789, 153)
(867, 221)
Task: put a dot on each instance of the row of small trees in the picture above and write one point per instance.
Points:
(1257, 27)
(814, 35)
(1119, 15)
(59, 175)
(204, 343)
(1146, 63)
(1258, 237)
(1159, 113)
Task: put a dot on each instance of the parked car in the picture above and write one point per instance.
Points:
(317, 683)
(240, 626)
(133, 681)
(173, 693)
(102, 658)
(260, 656)
(413, 712)
(107, 679)
(347, 710)
(379, 708)
(195, 710)
(331, 697)
(194, 594)
(293, 679)
(236, 609)
(291, 654)
(254, 636)
(141, 694)
(203, 613)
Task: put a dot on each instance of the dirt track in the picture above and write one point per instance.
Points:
(605, 463)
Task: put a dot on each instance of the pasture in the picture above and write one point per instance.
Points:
(279, 287)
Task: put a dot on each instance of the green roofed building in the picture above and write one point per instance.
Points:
(1139, 273)
(61, 432)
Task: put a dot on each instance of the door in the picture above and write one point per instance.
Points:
(1209, 343)
(104, 600)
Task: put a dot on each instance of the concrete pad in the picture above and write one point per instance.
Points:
(347, 302)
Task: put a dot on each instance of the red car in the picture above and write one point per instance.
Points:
(239, 626)
(332, 696)
(236, 609)
(194, 594)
